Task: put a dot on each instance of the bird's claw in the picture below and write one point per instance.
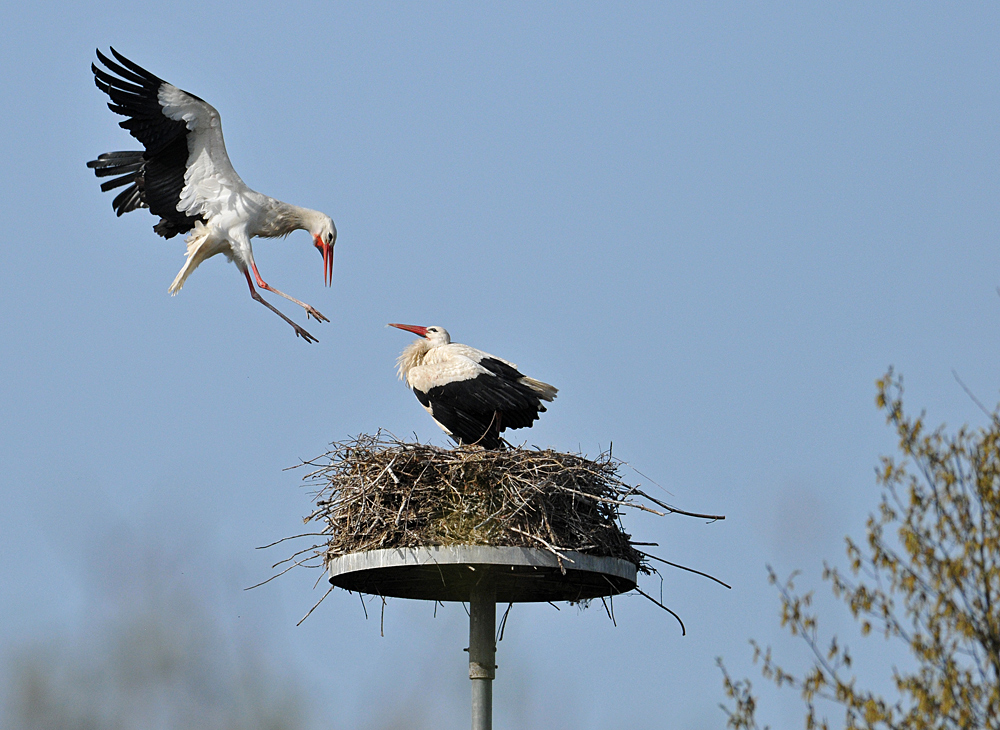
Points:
(299, 332)
(313, 312)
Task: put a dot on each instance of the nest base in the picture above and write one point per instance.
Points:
(450, 573)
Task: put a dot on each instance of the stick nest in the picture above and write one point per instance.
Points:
(376, 492)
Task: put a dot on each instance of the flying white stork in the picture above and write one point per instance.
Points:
(470, 394)
(184, 176)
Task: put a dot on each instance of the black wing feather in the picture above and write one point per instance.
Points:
(525, 404)
(500, 368)
(157, 174)
(128, 200)
(137, 75)
(117, 183)
(478, 410)
(127, 164)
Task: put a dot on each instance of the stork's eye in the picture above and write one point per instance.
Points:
(329, 238)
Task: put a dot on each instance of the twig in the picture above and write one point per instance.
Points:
(973, 397)
(328, 590)
(690, 570)
(638, 590)
(608, 611)
(552, 548)
(503, 621)
(293, 565)
(293, 537)
(712, 518)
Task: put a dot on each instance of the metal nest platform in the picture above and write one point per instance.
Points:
(482, 575)
(518, 574)
(411, 520)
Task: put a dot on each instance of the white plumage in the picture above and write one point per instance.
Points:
(185, 177)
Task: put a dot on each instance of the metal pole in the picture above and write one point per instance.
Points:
(482, 649)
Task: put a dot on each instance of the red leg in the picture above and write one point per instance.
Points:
(257, 297)
(310, 311)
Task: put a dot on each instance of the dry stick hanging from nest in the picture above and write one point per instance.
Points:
(377, 492)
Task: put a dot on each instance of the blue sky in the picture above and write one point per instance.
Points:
(711, 226)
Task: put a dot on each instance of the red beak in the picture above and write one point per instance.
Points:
(327, 251)
(414, 328)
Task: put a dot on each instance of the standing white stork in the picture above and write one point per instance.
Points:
(184, 176)
(470, 394)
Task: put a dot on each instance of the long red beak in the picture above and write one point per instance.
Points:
(414, 328)
(327, 251)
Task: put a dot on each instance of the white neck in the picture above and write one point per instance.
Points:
(280, 219)
(412, 356)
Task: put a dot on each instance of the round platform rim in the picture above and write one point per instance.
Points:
(479, 555)
(353, 572)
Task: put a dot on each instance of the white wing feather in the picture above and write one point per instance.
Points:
(211, 185)
(441, 367)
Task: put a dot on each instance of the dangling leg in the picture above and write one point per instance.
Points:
(310, 311)
(257, 297)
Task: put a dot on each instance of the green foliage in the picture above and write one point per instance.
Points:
(927, 575)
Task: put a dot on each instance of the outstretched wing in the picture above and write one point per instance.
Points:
(185, 173)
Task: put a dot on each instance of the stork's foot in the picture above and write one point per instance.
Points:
(299, 332)
(313, 312)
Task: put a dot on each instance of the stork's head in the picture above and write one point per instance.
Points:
(324, 235)
(434, 335)
(416, 351)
